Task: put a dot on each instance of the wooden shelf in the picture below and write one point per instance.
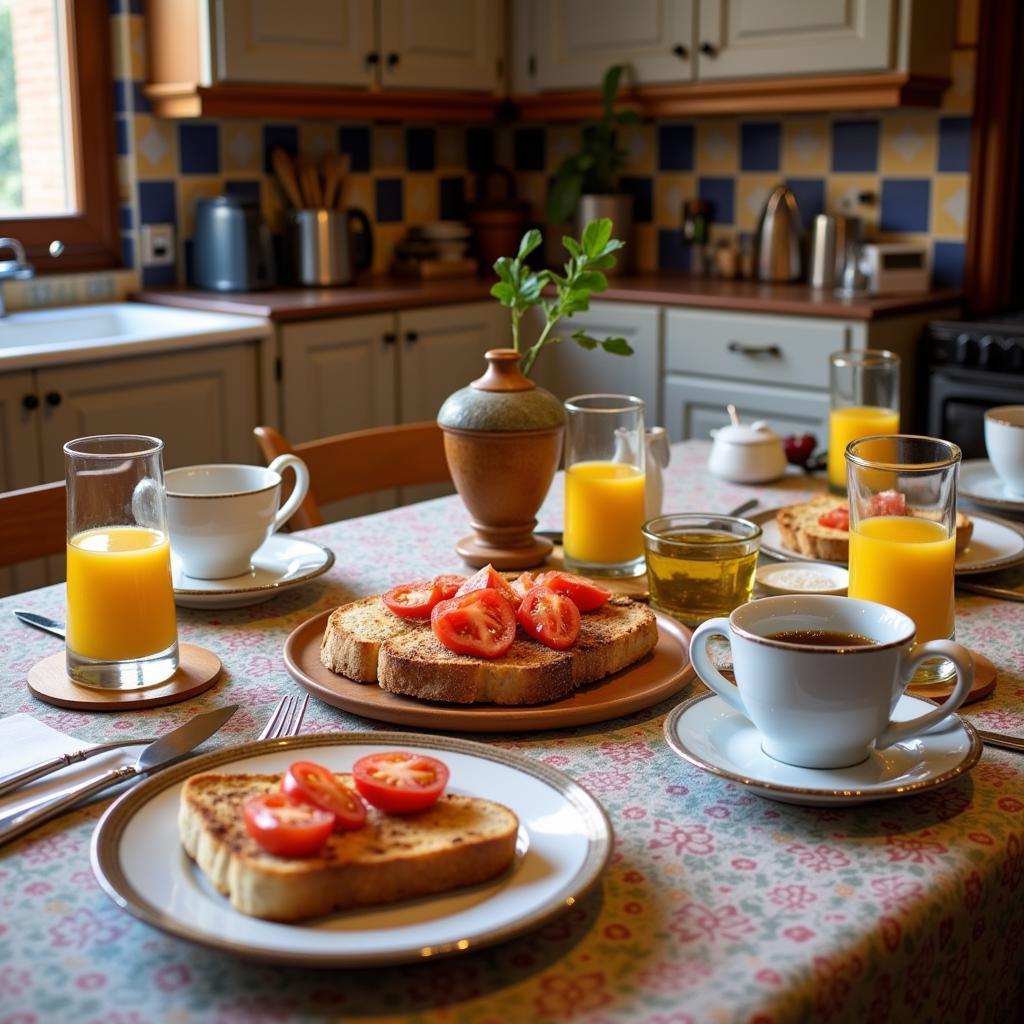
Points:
(752, 96)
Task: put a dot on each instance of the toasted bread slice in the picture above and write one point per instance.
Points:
(351, 643)
(458, 841)
(417, 664)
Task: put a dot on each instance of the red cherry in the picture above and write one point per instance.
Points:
(799, 448)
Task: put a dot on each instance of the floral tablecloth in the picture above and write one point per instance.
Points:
(718, 905)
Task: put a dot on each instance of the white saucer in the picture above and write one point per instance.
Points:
(834, 578)
(980, 483)
(708, 733)
(283, 562)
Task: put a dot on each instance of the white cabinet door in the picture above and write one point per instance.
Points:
(201, 403)
(305, 42)
(577, 40)
(566, 369)
(694, 406)
(441, 44)
(757, 38)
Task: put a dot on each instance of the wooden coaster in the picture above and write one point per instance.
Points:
(198, 670)
(984, 683)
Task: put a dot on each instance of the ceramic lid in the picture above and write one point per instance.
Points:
(502, 399)
(747, 433)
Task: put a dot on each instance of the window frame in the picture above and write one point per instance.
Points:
(91, 235)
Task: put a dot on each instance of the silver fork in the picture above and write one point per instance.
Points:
(286, 719)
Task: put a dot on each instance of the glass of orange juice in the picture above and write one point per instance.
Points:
(902, 498)
(864, 386)
(121, 628)
(604, 485)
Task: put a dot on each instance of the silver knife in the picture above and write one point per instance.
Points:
(159, 753)
(40, 622)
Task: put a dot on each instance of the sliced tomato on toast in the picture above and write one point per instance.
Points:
(400, 782)
(488, 578)
(837, 518)
(587, 595)
(549, 617)
(286, 827)
(413, 600)
(480, 622)
(448, 584)
(319, 786)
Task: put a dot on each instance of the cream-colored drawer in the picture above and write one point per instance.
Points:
(764, 349)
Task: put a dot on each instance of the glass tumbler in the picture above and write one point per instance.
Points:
(604, 485)
(121, 628)
(902, 498)
(864, 388)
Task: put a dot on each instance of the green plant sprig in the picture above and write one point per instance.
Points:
(519, 288)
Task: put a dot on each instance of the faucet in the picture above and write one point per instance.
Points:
(18, 269)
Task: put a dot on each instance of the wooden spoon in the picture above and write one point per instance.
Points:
(310, 182)
(285, 171)
(329, 168)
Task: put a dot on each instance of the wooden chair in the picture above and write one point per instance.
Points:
(33, 523)
(361, 462)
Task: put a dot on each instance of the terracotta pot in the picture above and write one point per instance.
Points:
(503, 440)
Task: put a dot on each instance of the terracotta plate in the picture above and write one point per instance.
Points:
(664, 672)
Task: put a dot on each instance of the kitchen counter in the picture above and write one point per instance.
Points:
(663, 288)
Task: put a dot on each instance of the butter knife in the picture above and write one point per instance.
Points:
(43, 768)
(997, 739)
(157, 754)
(40, 622)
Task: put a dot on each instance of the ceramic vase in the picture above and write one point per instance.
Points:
(503, 441)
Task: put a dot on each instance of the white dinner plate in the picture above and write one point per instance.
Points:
(564, 845)
(981, 484)
(995, 544)
(281, 563)
(710, 734)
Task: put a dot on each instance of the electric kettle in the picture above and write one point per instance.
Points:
(777, 249)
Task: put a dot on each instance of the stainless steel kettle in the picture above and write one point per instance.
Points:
(777, 250)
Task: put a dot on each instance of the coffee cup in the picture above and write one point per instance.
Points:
(1004, 442)
(819, 677)
(218, 515)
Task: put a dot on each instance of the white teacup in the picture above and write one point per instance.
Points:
(1004, 442)
(824, 706)
(218, 515)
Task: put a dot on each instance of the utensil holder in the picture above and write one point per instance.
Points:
(329, 247)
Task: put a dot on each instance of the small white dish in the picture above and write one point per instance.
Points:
(981, 484)
(711, 735)
(281, 563)
(803, 578)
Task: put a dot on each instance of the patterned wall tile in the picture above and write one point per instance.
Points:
(752, 190)
(906, 205)
(854, 146)
(908, 144)
(641, 188)
(388, 200)
(451, 148)
(420, 149)
(673, 250)
(645, 245)
(720, 192)
(283, 136)
(948, 260)
(641, 147)
(810, 197)
(479, 149)
(805, 145)
(316, 140)
(422, 203)
(157, 202)
(675, 147)
(241, 146)
(355, 141)
(954, 144)
(156, 147)
(670, 192)
(198, 148)
(760, 145)
(950, 199)
(451, 193)
(717, 147)
(388, 148)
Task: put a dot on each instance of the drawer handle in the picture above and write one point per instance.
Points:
(754, 350)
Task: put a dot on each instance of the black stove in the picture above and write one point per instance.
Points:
(973, 365)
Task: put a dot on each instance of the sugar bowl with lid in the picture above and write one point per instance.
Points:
(747, 453)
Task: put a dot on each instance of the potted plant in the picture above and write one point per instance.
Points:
(585, 186)
(502, 433)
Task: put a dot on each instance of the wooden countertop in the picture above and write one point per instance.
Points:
(385, 294)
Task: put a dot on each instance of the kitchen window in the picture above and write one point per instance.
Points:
(57, 170)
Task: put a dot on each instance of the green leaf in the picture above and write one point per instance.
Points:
(602, 262)
(592, 280)
(610, 86)
(530, 241)
(504, 293)
(503, 267)
(571, 245)
(617, 346)
(565, 193)
(584, 340)
(596, 235)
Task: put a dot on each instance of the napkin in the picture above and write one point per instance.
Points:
(26, 741)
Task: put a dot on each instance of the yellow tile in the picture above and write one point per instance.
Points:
(421, 200)
(805, 146)
(241, 147)
(716, 147)
(388, 148)
(645, 247)
(190, 189)
(908, 144)
(137, 46)
(125, 178)
(950, 205)
(959, 97)
(841, 193)
(671, 190)
(385, 238)
(317, 139)
(640, 145)
(120, 49)
(450, 149)
(752, 191)
(359, 193)
(273, 207)
(155, 147)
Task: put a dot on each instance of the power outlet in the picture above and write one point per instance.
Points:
(157, 245)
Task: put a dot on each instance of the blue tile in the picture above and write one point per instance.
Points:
(126, 6)
(157, 204)
(125, 217)
(284, 135)
(760, 142)
(810, 197)
(355, 141)
(122, 95)
(673, 250)
(480, 149)
(720, 193)
(123, 145)
(452, 198)
(529, 149)
(389, 200)
(127, 251)
(641, 188)
(675, 147)
(954, 143)
(189, 253)
(198, 148)
(948, 264)
(159, 275)
(419, 149)
(140, 102)
(906, 204)
(243, 189)
(855, 146)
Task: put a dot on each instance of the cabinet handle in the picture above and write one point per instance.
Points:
(709, 49)
(30, 402)
(680, 51)
(754, 350)
(53, 399)
(390, 338)
(411, 336)
(392, 59)
(372, 59)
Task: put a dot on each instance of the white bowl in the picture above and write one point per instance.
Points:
(803, 578)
